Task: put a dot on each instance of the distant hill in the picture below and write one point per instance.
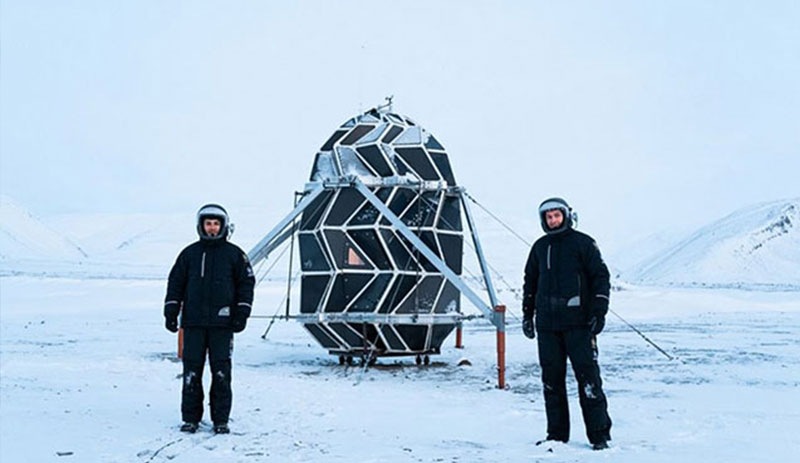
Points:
(24, 236)
(757, 247)
(105, 245)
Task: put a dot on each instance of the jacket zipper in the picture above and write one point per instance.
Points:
(203, 266)
(548, 256)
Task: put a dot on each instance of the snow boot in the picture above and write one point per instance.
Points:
(600, 445)
(221, 428)
(551, 439)
(189, 427)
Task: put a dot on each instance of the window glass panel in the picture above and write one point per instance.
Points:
(443, 164)
(417, 159)
(430, 242)
(342, 251)
(453, 249)
(346, 287)
(423, 298)
(392, 338)
(402, 285)
(375, 158)
(350, 337)
(321, 335)
(422, 212)
(369, 299)
(370, 332)
(345, 204)
(334, 138)
(393, 132)
(368, 241)
(355, 134)
(312, 257)
(374, 135)
(313, 213)
(415, 336)
(351, 163)
(401, 199)
(449, 300)
(400, 254)
(312, 290)
(433, 143)
(399, 165)
(439, 334)
(367, 215)
(450, 214)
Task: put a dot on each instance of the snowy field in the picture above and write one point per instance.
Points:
(89, 375)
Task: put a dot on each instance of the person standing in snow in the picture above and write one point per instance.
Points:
(565, 301)
(211, 288)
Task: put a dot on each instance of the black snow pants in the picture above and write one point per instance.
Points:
(218, 342)
(580, 347)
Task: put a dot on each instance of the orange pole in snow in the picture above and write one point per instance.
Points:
(180, 343)
(459, 337)
(500, 313)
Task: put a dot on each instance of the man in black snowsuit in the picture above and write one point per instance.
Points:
(567, 291)
(211, 288)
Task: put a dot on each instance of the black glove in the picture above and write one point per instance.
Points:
(528, 328)
(171, 323)
(238, 324)
(597, 323)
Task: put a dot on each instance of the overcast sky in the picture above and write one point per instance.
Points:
(644, 115)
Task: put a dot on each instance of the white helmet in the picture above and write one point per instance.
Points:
(557, 203)
(213, 211)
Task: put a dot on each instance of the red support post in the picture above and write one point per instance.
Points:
(180, 343)
(459, 337)
(500, 313)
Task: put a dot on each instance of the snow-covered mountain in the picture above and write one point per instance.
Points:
(106, 245)
(24, 236)
(755, 247)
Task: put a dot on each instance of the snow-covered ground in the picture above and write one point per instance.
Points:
(89, 374)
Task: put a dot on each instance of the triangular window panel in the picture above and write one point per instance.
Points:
(433, 143)
(346, 255)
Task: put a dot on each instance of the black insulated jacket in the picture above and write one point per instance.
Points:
(566, 281)
(210, 284)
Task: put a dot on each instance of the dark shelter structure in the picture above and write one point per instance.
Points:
(381, 241)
